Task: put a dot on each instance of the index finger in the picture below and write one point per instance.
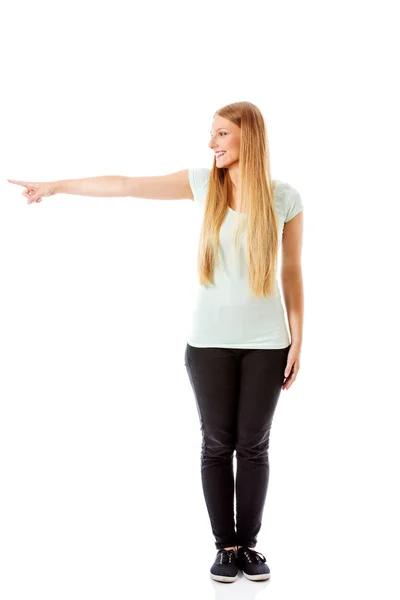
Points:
(25, 183)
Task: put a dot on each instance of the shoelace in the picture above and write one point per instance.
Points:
(253, 556)
(226, 556)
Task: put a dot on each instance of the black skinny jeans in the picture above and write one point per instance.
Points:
(236, 392)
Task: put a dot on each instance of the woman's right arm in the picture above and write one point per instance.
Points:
(174, 186)
(107, 185)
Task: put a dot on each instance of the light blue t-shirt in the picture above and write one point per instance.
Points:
(226, 314)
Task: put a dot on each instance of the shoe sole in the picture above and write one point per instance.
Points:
(223, 578)
(260, 577)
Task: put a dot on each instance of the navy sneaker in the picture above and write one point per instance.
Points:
(225, 567)
(253, 564)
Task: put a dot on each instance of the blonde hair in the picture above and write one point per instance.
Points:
(255, 198)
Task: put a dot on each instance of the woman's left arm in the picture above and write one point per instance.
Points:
(293, 293)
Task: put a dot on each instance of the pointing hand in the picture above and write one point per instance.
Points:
(35, 191)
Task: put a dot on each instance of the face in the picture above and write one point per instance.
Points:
(225, 136)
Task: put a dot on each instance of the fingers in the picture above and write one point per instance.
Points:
(29, 186)
(289, 380)
(25, 183)
(32, 198)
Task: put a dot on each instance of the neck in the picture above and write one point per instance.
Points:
(234, 174)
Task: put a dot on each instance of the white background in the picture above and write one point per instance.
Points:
(101, 493)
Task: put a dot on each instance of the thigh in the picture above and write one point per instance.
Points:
(214, 376)
(261, 380)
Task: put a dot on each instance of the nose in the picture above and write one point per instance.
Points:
(212, 143)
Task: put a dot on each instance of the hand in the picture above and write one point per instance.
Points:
(292, 366)
(35, 191)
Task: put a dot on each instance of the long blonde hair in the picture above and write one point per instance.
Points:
(255, 198)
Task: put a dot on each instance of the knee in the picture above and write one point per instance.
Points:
(253, 450)
(218, 446)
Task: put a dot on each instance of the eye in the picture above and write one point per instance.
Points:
(222, 132)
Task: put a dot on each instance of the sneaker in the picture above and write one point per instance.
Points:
(225, 567)
(253, 564)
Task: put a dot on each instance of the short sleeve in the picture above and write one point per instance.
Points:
(294, 203)
(199, 179)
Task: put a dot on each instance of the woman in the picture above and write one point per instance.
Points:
(238, 354)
